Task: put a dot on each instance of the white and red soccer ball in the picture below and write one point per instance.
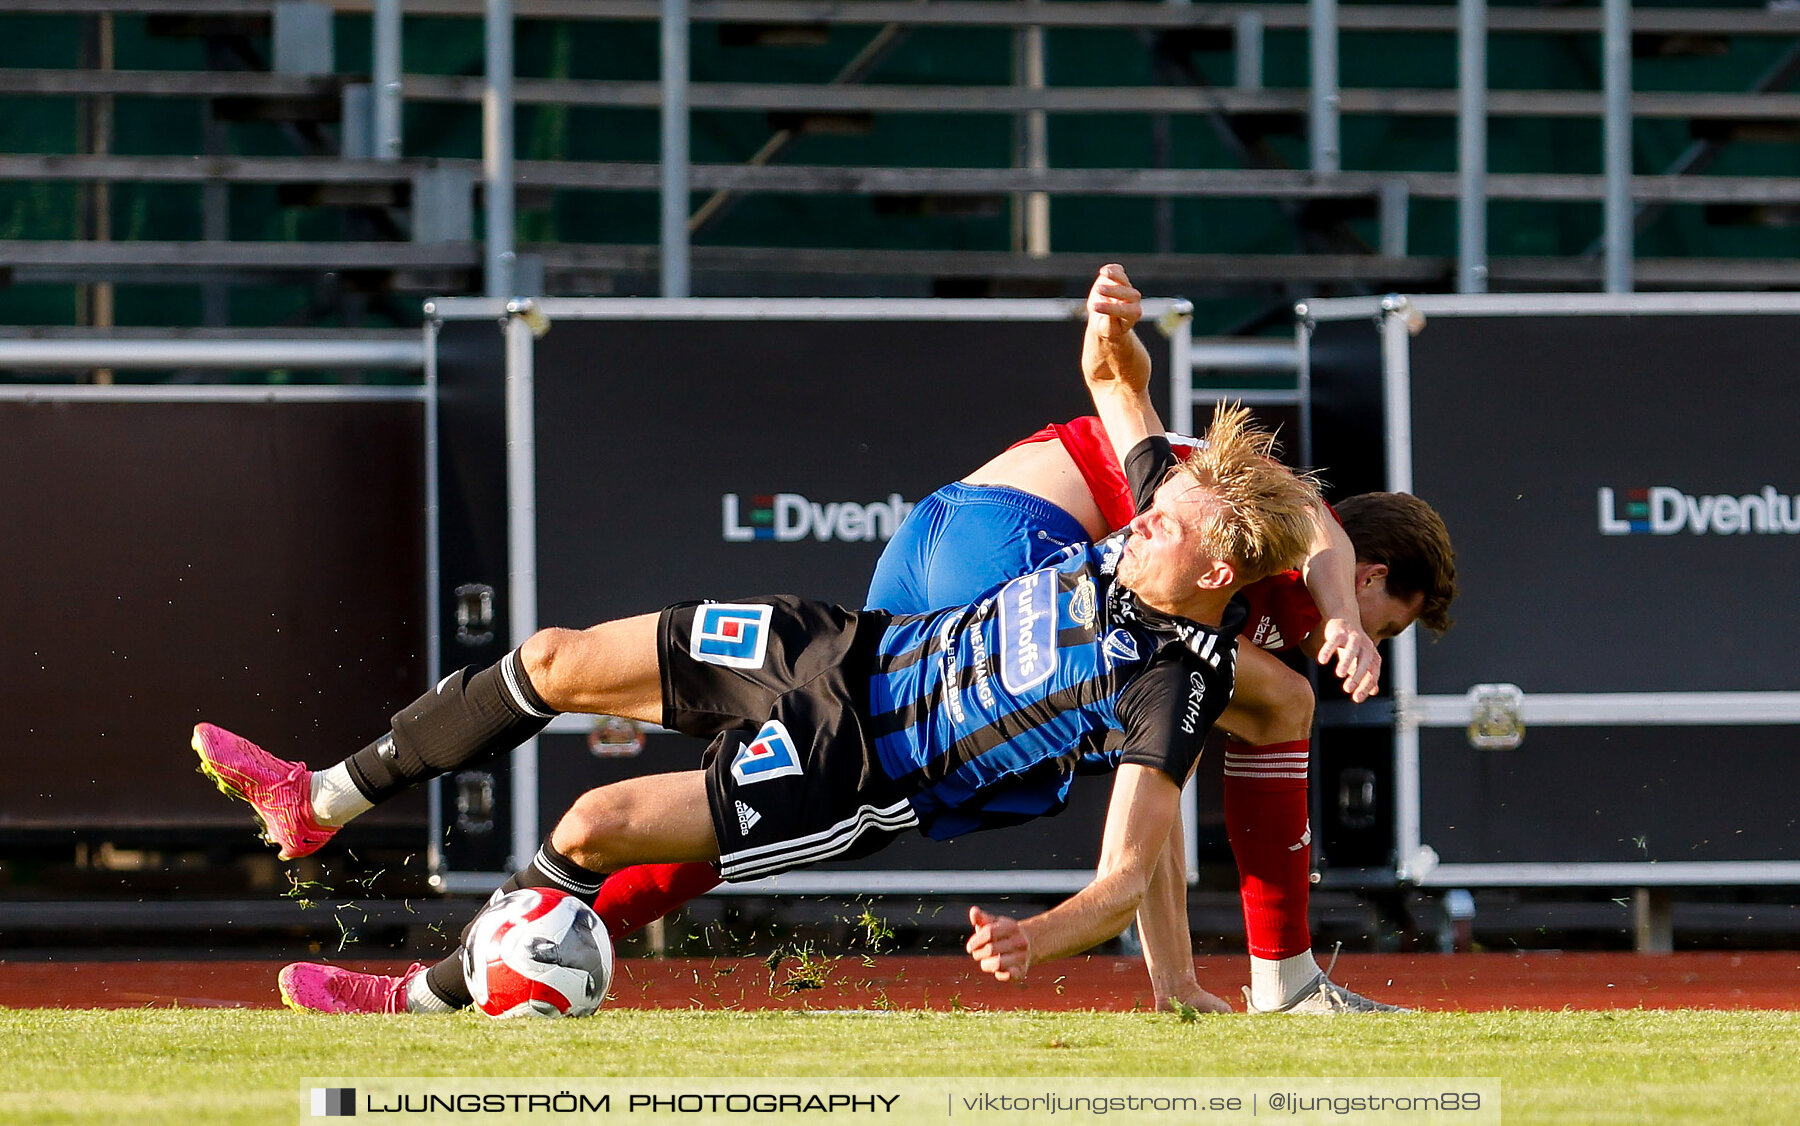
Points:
(537, 952)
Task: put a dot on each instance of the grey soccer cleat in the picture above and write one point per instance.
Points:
(1324, 997)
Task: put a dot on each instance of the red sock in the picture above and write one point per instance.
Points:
(643, 893)
(1266, 819)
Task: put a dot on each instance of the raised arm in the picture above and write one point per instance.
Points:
(1116, 367)
(1115, 363)
(1145, 803)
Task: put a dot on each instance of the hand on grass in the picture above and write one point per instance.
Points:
(1192, 998)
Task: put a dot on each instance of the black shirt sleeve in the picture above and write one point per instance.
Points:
(1146, 466)
(1168, 710)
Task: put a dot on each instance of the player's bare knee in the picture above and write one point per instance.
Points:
(1272, 709)
(1292, 704)
(582, 833)
(539, 655)
(595, 827)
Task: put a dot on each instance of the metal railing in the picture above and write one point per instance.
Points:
(236, 352)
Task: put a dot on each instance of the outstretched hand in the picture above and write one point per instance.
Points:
(1114, 305)
(1113, 359)
(1358, 661)
(999, 945)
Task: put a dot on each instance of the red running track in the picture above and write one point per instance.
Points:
(1462, 982)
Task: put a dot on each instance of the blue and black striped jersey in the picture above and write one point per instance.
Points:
(981, 712)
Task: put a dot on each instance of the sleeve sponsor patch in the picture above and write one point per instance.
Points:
(1196, 699)
(729, 634)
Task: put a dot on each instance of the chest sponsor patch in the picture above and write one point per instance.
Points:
(1028, 631)
(1120, 647)
(725, 633)
(770, 755)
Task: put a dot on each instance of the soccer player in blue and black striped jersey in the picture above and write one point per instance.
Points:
(834, 730)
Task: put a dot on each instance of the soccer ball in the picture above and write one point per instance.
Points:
(537, 952)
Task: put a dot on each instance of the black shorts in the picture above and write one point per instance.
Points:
(780, 685)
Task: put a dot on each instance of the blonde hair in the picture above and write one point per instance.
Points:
(1262, 513)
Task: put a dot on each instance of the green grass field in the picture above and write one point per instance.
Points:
(235, 1066)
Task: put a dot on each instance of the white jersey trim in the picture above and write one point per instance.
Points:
(768, 859)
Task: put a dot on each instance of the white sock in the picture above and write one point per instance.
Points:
(1275, 981)
(335, 798)
(420, 998)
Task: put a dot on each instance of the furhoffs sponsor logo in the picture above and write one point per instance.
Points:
(1665, 511)
(1028, 631)
(786, 517)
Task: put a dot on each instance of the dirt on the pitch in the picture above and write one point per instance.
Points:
(1455, 982)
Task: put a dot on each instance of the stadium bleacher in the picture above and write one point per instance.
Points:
(866, 147)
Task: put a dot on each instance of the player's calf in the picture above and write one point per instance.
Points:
(636, 896)
(468, 716)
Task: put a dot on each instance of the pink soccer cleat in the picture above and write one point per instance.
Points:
(280, 792)
(308, 987)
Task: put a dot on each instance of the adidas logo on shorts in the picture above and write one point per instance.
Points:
(747, 819)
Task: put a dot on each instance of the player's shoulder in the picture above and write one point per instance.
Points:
(1211, 656)
(1175, 659)
(1177, 695)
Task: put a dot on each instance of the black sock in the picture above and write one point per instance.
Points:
(375, 771)
(548, 869)
(445, 980)
(551, 869)
(469, 715)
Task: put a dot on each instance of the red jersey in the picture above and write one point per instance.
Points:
(1087, 443)
(1281, 610)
